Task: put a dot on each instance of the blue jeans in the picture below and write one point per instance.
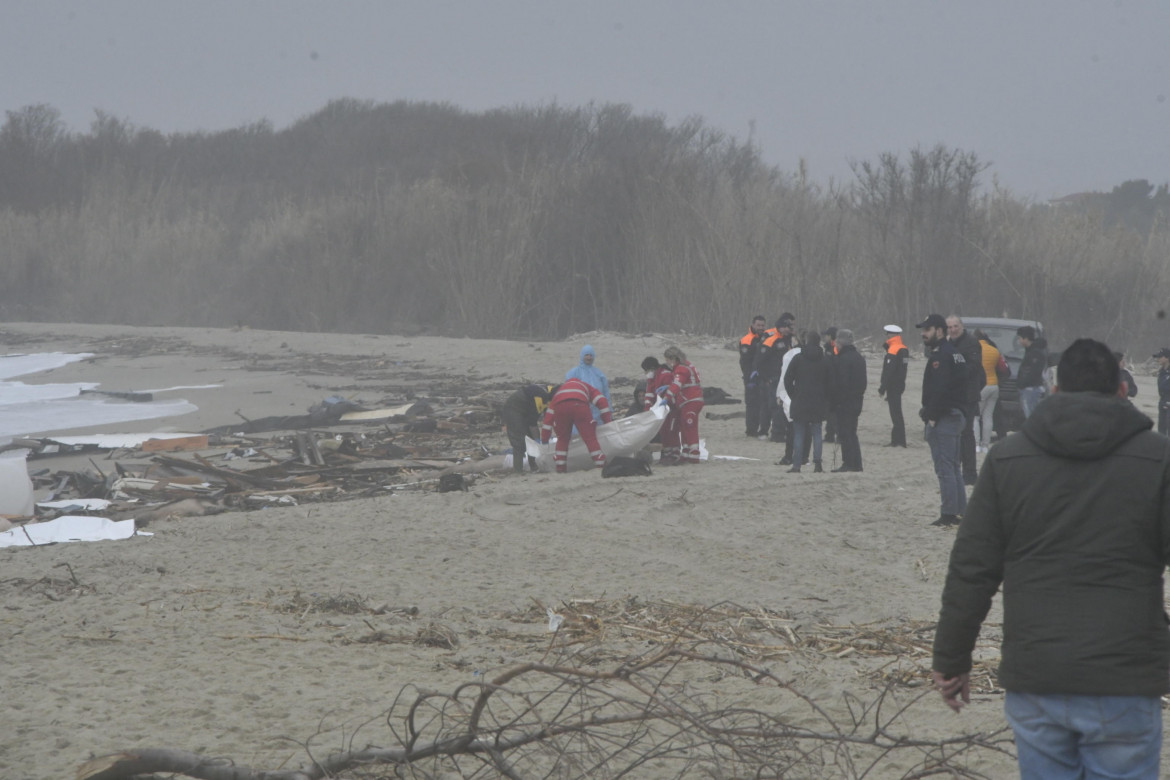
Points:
(1086, 737)
(799, 432)
(943, 438)
(1029, 397)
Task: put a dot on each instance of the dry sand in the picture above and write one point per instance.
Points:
(191, 639)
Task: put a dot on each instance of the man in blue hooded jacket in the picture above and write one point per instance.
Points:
(590, 374)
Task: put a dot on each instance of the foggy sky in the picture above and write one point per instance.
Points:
(1060, 96)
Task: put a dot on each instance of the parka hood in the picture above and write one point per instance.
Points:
(1084, 426)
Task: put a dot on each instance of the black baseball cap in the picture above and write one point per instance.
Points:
(933, 321)
(1163, 352)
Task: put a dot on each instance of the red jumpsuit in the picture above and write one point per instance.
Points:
(685, 395)
(662, 377)
(569, 407)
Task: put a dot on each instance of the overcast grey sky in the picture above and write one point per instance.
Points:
(1060, 96)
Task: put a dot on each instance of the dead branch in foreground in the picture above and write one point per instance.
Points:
(641, 717)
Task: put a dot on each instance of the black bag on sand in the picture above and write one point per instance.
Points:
(622, 466)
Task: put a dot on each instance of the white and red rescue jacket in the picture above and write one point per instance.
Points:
(661, 377)
(685, 389)
(573, 391)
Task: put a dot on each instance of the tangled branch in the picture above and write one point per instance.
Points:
(643, 715)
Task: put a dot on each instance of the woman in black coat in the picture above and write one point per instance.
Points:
(809, 382)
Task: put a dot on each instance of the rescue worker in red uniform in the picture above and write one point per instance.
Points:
(680, 433)
(572, 405)
(658, 376)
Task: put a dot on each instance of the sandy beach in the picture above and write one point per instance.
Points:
(215, 634)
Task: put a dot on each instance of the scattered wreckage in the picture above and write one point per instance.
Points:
(338, 451)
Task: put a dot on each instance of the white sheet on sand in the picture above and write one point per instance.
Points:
(115, 441)
(620, 437)
(69, 528)
(77, 504)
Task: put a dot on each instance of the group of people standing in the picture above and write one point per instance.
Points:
(794, 384)
(582, 402)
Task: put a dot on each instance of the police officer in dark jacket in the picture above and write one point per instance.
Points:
(749, 345)
(769, 362)
(893, 382)
(849, 382)
(1163, 357)
(972, 352)
(944, 394)
(521, 415)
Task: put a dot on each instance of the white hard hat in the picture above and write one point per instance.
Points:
(892, 329)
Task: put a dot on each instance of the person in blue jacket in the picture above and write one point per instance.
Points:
(588, 372)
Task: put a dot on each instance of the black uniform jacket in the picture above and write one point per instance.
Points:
(944, 382)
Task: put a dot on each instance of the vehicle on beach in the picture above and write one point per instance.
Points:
(1009, 415)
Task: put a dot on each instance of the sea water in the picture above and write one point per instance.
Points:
(33, 408)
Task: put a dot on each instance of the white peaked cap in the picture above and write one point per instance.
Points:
(892, 329)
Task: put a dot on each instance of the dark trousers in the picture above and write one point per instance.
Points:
(967, 445)
(767, 391)
(517, 430)
(751, 406)
(1164, 417)
(830, 435)
(847, 438)
(780, 424)
(898, 432)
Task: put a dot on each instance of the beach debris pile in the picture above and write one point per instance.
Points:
(344, 453)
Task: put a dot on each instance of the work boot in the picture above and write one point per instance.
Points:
(946, 521)
(817, 467)
(785, 461)
(795, 469)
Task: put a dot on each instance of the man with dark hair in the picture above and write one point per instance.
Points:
(1072, 517)
(749, 344)
(972, 352)
(1030, 376)
(1163, 358)
(849, 383)
(944, 394)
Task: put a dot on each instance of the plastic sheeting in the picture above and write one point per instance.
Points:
(626, 436)
(16, 489)
(70, 528)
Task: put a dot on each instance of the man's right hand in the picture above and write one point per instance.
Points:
(956, 691)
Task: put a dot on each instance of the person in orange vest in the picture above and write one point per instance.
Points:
(680, 432)
(893, 382)
(753, 396)
(769, 364)
(572, 405)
